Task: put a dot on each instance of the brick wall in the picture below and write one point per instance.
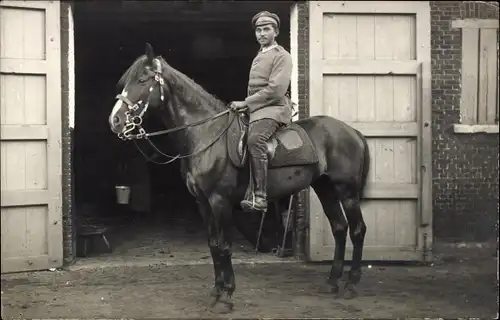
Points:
(465, 167)
(302, 207)
(67, 133)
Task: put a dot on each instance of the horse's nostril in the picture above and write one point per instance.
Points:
(116, 120)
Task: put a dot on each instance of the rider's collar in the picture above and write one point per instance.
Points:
(268, 48)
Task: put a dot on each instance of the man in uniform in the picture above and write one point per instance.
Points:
(268, 105)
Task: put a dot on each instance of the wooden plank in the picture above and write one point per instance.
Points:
(374, 253)
(404, 95)
(21, 264)
(20, 66)
(488, 76)
(386, 129)
(54, 150)
(420, 144)
(382, 7)
(315, 57)
(381, 190)
(332, 42)
(26, 4)
(330, 102)
(24, 165)
(366, 110)
(23, 99)
(366, 103)
(404, 38)
(20, 132)
(316, 217)
(475, 24)
(348, 92)
(485, 41)
(11, 198)
(332, 66)
(475, 128)
(470, 56)
(425, 107)
(26, 37)
(346, 38)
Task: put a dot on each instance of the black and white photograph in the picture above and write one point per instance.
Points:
(237, 159)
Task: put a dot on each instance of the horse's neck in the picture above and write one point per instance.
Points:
(183, 111)
(190, 101)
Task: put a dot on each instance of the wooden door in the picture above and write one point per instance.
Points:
(370, 66)
(30, 119)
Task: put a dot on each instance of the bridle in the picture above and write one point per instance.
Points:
(134, 121)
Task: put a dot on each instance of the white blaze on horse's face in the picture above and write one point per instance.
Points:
(116, 120)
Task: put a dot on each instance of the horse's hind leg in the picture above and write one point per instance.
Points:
(325, 189)
(357, 232)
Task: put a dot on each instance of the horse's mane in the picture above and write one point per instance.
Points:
(187, 87)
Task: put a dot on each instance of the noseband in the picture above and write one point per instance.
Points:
(134, 121)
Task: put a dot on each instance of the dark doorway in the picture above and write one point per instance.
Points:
(210, 41)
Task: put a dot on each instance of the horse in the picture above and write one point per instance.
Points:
(319, 152)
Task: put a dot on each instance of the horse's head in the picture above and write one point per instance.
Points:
(143, 90)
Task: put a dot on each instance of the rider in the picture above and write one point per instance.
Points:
(267, 103)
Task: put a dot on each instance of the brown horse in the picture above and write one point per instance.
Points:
(319, 151)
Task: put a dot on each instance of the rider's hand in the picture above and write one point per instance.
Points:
(238, 106)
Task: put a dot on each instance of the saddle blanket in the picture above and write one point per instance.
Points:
(288, 146)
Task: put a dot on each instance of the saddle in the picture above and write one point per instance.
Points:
(290, 145)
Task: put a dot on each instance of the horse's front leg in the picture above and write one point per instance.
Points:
(210, 224)
(220, 243)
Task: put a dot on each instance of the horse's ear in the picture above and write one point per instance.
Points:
(150, 53)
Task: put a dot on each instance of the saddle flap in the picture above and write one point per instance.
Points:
(290, 139)
(289, 146)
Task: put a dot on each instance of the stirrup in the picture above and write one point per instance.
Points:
(248, 205)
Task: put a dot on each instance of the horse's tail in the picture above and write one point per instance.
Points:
(366, 164)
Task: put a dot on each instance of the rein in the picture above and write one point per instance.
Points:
(135, 122)
(172, 158)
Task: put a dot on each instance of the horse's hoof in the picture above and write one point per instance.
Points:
(221, 308)
(350, 291)
(214, 296)
(224, 304)
(212, 301)
(334, 288)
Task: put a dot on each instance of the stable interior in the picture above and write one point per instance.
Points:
(210, 41)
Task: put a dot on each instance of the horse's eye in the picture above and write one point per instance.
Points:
(143, 79)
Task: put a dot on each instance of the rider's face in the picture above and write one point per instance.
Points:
(266, 34)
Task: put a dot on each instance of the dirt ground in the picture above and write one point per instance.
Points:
(462, 283)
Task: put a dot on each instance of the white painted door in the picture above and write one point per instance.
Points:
(370, 66)
(30, 119)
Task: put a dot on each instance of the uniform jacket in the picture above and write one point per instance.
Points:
(268, 83)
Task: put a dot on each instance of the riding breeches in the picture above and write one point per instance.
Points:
(258, 134)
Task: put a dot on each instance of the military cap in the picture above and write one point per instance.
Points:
(265, 17)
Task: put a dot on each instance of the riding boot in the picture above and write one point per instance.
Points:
(257, 200)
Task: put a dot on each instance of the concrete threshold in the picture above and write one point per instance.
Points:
(89, 263)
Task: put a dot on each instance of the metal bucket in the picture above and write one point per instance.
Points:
(122, 194)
